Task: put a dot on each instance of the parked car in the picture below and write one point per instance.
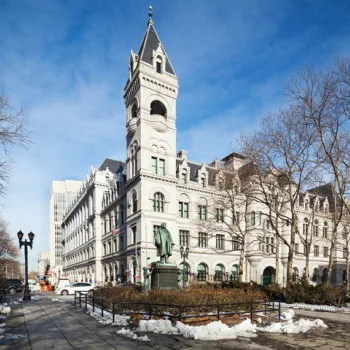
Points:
(14, 285)
(62, 282)
(75, 287)
(33, 286)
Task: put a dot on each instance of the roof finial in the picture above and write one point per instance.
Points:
(150, 15)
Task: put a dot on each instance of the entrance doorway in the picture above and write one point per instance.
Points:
(268, 276)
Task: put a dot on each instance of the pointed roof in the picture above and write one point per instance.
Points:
(151, 43)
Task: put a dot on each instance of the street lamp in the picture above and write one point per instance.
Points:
(31, 235)
(184, 254)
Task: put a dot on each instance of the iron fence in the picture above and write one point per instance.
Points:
(176, 312)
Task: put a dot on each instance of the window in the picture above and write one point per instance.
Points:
(159, 64)
(115, 245)
(258, 218)
(267, 245)
(157, 107)
(184, 238)
(306, 204)
(315, 230)
(219, 215)
(219, 273)
(235, 244)
(121, 214)
(324, 274)
(325, 252)
(183, 210)
(161, 169)
(261, 244)
(109, 248)
(202, 212)
(133, 230)
(202, 240)
(236, 217)
(104, 249)
(134, 203)
(316, 251)
(345, 252)
(203, 181)
(121, 242)
(220, 242)
(325, 230)
(154, 165)
(158, 166)
(252, 218)
(234, 273)
(316, 275)
(295, 274)
(272, 246)
(184, 177)
(159, 67)
(305, 226)
(158, 202)
(296, 248)
(202, 273)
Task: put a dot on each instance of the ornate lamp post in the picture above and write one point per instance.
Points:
(31, 235)
(184, 254)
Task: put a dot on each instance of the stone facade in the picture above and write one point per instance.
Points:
(108, 229)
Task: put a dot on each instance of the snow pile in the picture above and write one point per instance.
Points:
(130, 334)
(157, 326)
(55, 299)
(217, 330)
(107, 319)
(328, 308)
(4, 309)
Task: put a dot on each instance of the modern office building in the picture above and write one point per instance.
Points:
(62, 193)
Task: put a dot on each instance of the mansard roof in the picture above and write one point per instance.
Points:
(149, 44)
(113, 165)
(194, 168)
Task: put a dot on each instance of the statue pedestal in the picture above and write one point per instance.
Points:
(164, 276)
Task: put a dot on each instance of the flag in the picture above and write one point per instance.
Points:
(115, 231)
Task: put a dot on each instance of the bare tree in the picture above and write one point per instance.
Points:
(280, 154)
(322, 101)
(228, 217)
(13, 132)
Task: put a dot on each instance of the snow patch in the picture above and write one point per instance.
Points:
(130, 334)
(107, 319)
(55, 299)
(4, 309)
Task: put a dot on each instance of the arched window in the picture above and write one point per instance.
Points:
(202, 273)
(234, 273)
(203, 180)
(158, 202)
(295, 275)
(184, 274)
(157, 107)
(305, 226)
(325, 229)
(134, 110)
(134, 203)
(159, 61)
(219, 273)
(184, 176)
(316, 276)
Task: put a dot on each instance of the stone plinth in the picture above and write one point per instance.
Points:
(164, 276)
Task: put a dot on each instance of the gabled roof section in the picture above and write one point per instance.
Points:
(113, 165)
(151, 43)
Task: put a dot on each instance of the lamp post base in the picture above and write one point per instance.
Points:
(26, 295)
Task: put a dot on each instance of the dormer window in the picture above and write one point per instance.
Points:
(203, 181)
(306, 204)
(159, 64)
(184, 177)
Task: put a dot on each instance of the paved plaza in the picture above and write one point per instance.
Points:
(44, 324)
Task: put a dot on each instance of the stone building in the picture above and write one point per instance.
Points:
(108, 229)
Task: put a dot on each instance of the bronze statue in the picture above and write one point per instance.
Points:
(164, 243)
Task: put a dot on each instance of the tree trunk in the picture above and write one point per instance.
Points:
(240, 267)
(290, 265)
(330, 264)
(307, 262)
(277, 251)
(347, 273)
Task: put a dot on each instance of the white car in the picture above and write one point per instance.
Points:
(33, 286)
(74, 287)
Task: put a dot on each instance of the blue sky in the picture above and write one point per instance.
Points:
(65, 62)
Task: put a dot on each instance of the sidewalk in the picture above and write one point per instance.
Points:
(44, 324)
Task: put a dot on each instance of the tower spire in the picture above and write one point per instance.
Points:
(150, 15)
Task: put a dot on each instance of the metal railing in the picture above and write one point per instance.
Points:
(177, 312)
